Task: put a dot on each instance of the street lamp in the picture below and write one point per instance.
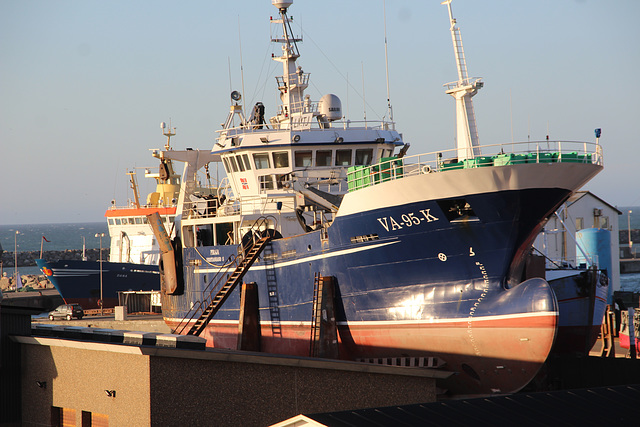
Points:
(15, 254)
(101, 235)
(629, 228)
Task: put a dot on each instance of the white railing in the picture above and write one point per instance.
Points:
(313, 126)
(501, 154)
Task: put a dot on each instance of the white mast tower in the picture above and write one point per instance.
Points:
(293, 82)
(463, 90)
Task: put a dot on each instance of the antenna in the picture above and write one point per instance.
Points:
(229, 65)
(348, 115)
(511, 113)
(364, 101)
(241, 67)
(168, 132)
(386, 61)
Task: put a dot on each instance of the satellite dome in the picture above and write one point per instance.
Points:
(330, 107)
(281, 4)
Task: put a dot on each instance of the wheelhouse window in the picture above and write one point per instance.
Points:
(225, 161)
(266, 182)
(234, 164)
(343, 157)
(323, 158)
(364, 156)
(261, 160)
(303, 159)
(138, 220)
(247, 164)
(238, 159)
(110, 221)
(280, 159)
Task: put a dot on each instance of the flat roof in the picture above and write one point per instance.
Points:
(235, 356)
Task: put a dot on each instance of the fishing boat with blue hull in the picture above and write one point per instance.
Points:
(133, 254)
(424, 253)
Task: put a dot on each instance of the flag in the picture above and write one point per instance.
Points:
(45, 239)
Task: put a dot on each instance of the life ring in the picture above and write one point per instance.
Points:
(426, 169)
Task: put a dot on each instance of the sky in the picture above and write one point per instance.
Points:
(84, 84)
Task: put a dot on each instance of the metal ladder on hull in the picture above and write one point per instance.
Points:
(272, 290)
(316, 314)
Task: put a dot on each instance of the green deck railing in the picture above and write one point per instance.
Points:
(392, 168)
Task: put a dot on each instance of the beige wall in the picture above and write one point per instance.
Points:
(164, 387)
(78, 378)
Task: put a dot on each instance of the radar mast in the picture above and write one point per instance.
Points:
(293, 81)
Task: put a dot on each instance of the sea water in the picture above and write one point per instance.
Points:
(59, 237)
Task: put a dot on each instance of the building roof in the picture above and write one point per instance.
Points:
(580, 194)
(594, 406)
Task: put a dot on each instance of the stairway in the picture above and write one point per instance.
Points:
(224, 292)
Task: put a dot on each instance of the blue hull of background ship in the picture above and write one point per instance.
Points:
(398, 280)
(80, 280)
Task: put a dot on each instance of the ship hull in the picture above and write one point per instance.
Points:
(425, 266)
(79, 281)
(578, 329)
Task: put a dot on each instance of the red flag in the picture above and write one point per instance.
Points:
(45, 239)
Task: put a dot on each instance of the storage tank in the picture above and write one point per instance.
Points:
(596, 242)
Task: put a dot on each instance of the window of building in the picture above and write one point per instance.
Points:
(63, 416)
(343, 157)
(93, 419)
(280, 159)
(364, 156)
(266, 182)
(323, 158)
(261, 160)
(302, 159)
(579, 223)
(604, 222)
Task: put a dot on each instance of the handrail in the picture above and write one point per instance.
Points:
(393, 168)
(220, 278)
(314, 127)
(208, 292)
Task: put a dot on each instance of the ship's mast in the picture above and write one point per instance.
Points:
(293, 82)
(463, 90)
